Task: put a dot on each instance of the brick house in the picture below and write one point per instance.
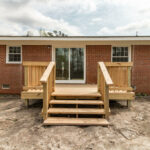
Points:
(76, 58)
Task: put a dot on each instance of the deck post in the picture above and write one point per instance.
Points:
(98, 74)
(106, 101)
(54, 73)
(27, 103)
(128, 103)
(129, 84)
(45, 97)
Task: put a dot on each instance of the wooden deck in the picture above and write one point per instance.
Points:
(78, 90)
(77, 104)
(83, 90)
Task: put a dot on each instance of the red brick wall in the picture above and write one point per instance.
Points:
(94, 54)
(9, 74)
(141, 69)
(12, 74)
(36, 53)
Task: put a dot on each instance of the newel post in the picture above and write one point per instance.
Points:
(129, 84)
(106, 101)
(45, 97)
(98, 77)
(54, 77)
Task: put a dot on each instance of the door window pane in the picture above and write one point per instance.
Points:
(62, 63)
(76, 64)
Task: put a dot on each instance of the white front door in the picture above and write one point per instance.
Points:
(70, 64)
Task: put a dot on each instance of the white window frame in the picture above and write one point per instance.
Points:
(7, 55)
(129, 51)
(71, 46)
(5, 88)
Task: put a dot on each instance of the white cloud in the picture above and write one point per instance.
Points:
(75, 17)
(79, 6)
(129, 29)
(96, 20)
(28, 18)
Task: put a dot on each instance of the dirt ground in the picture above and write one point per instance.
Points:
(22, 129)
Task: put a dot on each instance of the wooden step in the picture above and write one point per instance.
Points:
(76, 111)
(76, 94)
(79, 102)
(75, 121)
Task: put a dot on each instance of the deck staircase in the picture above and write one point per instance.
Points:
(75, 106)
(76, 109)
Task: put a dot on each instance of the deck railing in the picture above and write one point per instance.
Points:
(120, 73)
(104, 81)
(48, 82)
(32, 73)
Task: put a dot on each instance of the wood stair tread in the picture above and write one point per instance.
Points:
(75, 121)
(86, 102)
(77, 94)
(76, 111)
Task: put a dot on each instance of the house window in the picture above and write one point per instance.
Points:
(14, 54)
(120, 54)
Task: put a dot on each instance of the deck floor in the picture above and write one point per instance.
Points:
(76, 89)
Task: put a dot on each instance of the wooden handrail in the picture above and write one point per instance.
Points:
(48, 82)
(35, 63)
(47, 72)
(104, 81)
(117, 64)
(106, 75)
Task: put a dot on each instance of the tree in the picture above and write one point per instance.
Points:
(30, 33)
(53, 33)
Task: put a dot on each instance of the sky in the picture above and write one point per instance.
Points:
(75, 17)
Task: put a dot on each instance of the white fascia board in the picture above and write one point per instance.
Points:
(75, 39)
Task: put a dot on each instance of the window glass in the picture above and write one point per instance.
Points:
(120, 54)
(14, 54)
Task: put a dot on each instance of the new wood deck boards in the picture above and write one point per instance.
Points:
(77, 91)
(79, 102)
(76, 121)
(72, 90)
(75, 111)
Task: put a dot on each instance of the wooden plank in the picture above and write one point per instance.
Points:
(121, 88)
(122, 96)
(31, 95)
(75, 111)
(128, 103)
(117, 64)
(25, 88)
(129, 76)
(45, 100)
(98, 78)
(106, 75)
(79, 102)
(47, 72)
(75, 121)
(106, 101)
(26, 103)
(77, 97)
(74, 94)
(25, 76)
(35, 63)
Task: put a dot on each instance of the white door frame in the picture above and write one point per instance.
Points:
(70, 81)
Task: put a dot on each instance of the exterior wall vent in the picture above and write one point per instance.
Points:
(5, 86)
